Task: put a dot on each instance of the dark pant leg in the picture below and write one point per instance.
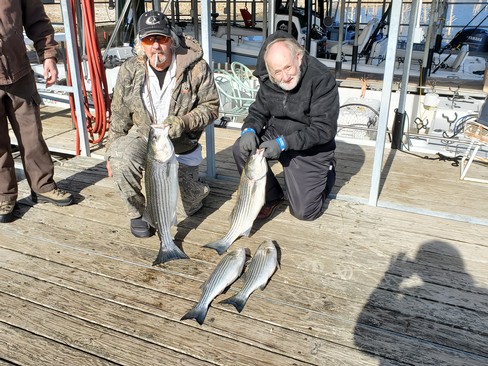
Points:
(273, 188)
(8, 181)
(23, 111)
(309, 180)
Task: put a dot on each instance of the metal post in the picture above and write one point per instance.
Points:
(396, 7)
(338, 65)
(308, 40)
(354, 62)
(67, 11)
(399, 122)
(207, 55)
(228, 41)
(157, 5)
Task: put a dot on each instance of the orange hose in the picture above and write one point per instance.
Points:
(98, 123)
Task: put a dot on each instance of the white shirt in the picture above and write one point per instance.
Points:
(161, 98)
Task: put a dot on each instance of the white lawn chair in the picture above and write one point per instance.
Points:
(234, 102)
(247, 81)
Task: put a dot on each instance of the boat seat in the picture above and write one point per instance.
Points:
(477, 132)
(362, 39)
(461, 56)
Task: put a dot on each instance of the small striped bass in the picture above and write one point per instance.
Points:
(262, 266)
(225, 273)
(250, 200)
(162, 189)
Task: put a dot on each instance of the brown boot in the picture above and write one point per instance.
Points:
(56, 196)
(6, 211)
(268, 209)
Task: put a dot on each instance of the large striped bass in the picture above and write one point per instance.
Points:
(225, 273)
(162, 189)
(250, 200)
(262, 266)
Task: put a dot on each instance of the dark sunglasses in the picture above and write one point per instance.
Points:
(149, 40)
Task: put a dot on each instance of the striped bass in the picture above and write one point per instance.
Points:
(250, 200)
(162, 189)
(225, 273)
(262, 266)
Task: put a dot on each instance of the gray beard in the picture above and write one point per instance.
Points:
(288, 86)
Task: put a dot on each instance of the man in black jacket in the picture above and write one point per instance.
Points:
(294, 118)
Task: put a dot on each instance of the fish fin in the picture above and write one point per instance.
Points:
(231, 215)
(247, 231)
(198, 313)
(220, 246)
(237, 301)
(263, 286)
(166, 255)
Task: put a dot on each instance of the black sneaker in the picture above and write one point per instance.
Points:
(140, 228)
(56, 196)
(6, 211)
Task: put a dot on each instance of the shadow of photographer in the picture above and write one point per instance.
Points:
(426, 311)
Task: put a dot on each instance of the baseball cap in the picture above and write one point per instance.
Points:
(153, 23)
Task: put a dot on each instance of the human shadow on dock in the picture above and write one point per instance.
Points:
(426, 311)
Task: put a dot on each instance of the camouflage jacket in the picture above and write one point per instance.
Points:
(194, 97)
(15, 17)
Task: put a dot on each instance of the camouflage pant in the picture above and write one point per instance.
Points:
(127, 156)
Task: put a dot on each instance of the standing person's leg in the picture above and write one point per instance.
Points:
(23, 110)
(128, 161)
(309, 180)
(8, 181)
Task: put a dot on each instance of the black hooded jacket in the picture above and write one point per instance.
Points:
(307, 115)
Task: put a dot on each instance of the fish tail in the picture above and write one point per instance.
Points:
(168, 254)
(220, 245)
(198, 313)
(237, 301)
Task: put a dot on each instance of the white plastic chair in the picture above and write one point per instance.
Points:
(478, 134)
(234, 102)
(246, 80)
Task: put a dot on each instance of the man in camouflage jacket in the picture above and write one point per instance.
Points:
(168, 81)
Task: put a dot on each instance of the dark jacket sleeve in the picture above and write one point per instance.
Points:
(39, 29)
(258, 114)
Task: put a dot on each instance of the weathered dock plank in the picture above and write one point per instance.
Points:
(361, 285)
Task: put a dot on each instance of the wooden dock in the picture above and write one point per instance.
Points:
(404, 283)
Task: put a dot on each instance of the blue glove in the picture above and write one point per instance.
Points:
(273, 148)
(177, 126)
(248, 142)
